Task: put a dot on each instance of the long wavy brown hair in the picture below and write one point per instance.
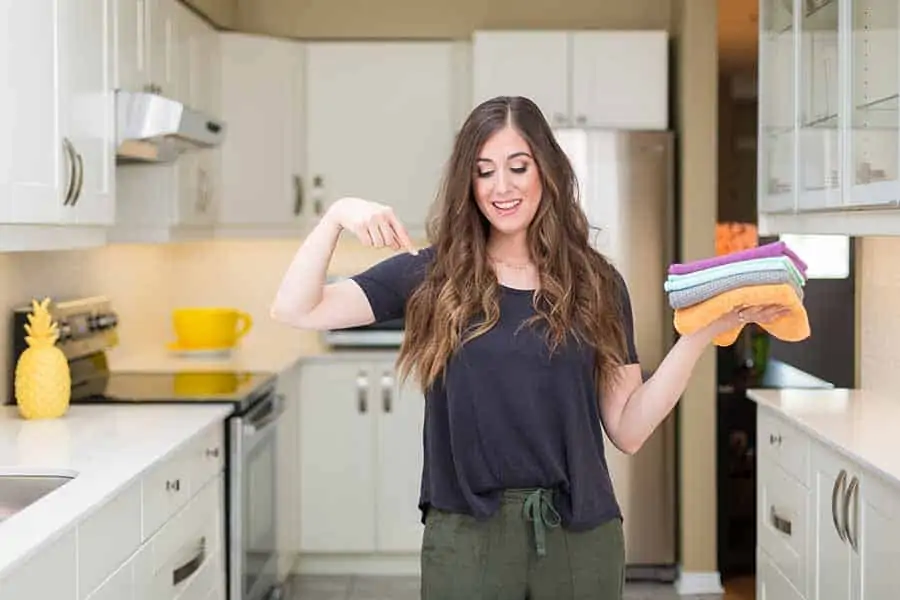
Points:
(578, 296)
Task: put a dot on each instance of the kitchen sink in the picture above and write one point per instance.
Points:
(19, 490)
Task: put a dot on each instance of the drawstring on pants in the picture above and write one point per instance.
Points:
(539, 509)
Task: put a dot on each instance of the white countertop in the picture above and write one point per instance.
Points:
(860, 424)
(105, 446)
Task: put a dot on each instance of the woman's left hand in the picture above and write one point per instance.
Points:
(743, 315)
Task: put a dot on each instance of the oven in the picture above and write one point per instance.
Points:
(253, 499)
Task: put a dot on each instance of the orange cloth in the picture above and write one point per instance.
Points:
(792, 327)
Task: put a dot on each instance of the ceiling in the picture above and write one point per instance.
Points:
(738, 34)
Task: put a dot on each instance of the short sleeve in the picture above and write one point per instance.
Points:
(631, 357)
(389, 283)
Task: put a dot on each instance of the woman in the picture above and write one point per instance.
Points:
(521, 336)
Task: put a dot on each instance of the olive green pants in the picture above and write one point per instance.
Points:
(520, 553)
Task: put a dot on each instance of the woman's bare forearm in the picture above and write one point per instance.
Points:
(649, 404)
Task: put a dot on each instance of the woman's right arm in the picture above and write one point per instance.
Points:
(303, 299)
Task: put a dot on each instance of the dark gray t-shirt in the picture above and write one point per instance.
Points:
(507, 414)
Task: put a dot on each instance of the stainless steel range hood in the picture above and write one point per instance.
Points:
(153, 128)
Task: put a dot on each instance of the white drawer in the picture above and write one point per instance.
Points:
(195, 532)
(208, 452)
(783, 444)
(783, 518)
(180, 476)
(166, 489)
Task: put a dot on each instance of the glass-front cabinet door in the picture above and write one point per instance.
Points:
(820, 118)
(777, 107)
(873, 134)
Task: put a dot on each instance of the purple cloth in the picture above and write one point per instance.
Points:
(764, 251)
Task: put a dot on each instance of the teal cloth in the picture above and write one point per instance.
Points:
(778, 263)
(705, 291)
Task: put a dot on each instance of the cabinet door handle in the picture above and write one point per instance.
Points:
(838, 488)
(318, 194)
(362, 383)
(203, 190)
(80, 185)
(387, 384)
(852, 494)
(70, 158)
(780, 523)
(298, 195)
(190, 567)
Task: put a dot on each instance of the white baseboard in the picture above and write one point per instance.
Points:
(698, 583)
(364, 564)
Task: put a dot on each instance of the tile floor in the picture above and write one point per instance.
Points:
(405, 588)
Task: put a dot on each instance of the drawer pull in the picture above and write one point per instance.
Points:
(190, 567)
(780, 523)
(212, 452)
(838, 487)
(775, 439)
(173, 486)
(852, 491)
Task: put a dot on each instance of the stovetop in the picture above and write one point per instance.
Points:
(241, 388)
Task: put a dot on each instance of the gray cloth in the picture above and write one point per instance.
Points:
(700, 293)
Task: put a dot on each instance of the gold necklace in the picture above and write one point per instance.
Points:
(517, 267)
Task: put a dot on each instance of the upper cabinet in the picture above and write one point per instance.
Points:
(179, 200)
(388, 143)
(57, 123)
(612, 79)
(147, 46)
(264, 185)
(829, 128)
(309, 123)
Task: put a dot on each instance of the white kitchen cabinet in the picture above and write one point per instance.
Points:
(263, 176)
(380, 123)
(131, 546)
(177, 201)
(534, 64)
(57, 160)
(829, 147)
(827, 525)
(616, 79)
(148, 53)
(360, 459)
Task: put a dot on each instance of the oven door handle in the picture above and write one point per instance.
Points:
(253, 429)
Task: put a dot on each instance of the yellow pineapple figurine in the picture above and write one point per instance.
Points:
(43, 381)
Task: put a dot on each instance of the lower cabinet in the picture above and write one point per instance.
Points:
(827, 525)
(360, 459)
(162, 538)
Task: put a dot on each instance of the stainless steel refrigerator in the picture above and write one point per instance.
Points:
(627, 191)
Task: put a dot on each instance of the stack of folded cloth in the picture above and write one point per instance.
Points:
(704, 290)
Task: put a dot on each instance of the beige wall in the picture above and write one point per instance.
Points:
(696, 118)
(222, 13)
(442, 18)
(878, 290)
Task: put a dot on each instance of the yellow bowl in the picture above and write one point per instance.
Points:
(210, 327)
